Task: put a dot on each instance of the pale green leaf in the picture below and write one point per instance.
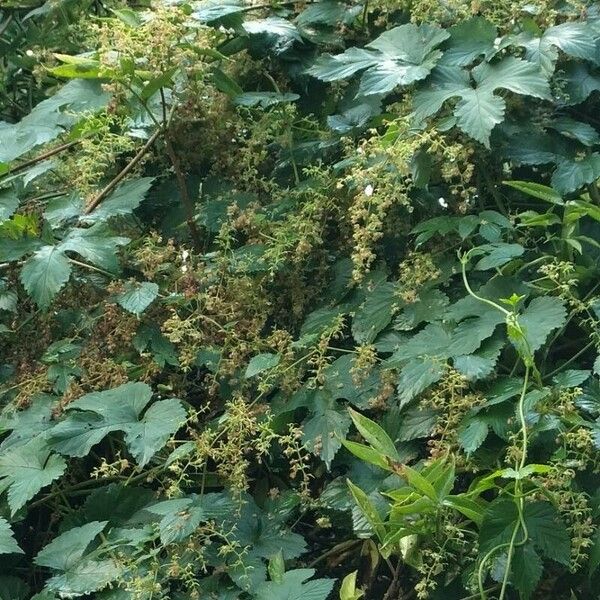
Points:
(294, 586)
(260, 363)
(45, 273)
(159, 423)
(68, 548)
(26, 469)
(8, 544)
(137, 297)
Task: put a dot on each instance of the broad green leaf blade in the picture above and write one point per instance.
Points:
(45, 273)
(514, 74)
(417, 375)
(542, 316)
(93, 416)
(160, 422)
(9, 202)
(526, 569)
(294, 586)
(65, 550)
(469, 40)
(478, 111)
(8, 544)
(260, 363)
(343, 66)
(26, 469)
(537, 190)
(96, 244)
(376, 312)
(374, 434)
(137, 297)
(123, 201)
(368, 510)
(324, 431)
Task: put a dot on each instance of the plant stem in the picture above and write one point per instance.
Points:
(40, 158)
(116, 180)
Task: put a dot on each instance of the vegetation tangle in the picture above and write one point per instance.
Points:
(300, 300)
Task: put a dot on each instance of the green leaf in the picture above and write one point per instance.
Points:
(416, 376)
(367, 454)
(348, 589)
(96, 244)
(68, 548)
(260, 363)
(62, 209)
(548, 532)
(375, 314)
(8, 544)
(368, 510)
(211, 10)
(536, 190)
(482, 362)
(526, 569)
(470, 333)
(580, 83)
(577, 130)
(374, 434)
(472, 434)
(44, 274)
(160, 422)
(294, 586)
(469, 40)
(325, 430)
(137, 297)
(273, 26)
(26, 469)
(399, 56)
(479, 109)
(9, 202)
(498, 255)
(542, 316)
(343, 66)
(123, 201)
(93, 416)
(572, 174)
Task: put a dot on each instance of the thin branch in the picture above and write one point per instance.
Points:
(130, 166)
(188, 205)
(41, 157)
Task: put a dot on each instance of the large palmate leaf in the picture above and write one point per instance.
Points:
(93, 416)
(26, 469)
(50, 117)
(478, 108)
(575, 39)
(469, 40)
(376, 312)
(96, 244)
(326, 428)
(400, 56)
(45, 273)
(294, 586)
(124, 200)
(76, 574)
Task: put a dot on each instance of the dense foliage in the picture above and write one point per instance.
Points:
(300, 300)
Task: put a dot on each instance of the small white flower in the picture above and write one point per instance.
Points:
(29, 52)
(369, 190)
(184, 268)
(185, 255)
(442, 202)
